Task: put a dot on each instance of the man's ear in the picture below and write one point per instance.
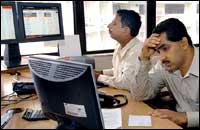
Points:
(184, 43)
(127, 31)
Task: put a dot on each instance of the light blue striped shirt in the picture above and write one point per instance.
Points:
(184, 89)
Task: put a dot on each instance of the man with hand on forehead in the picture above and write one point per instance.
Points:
(178, 70)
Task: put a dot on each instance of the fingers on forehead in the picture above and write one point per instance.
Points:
(155, 34)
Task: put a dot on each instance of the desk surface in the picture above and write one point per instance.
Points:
(132, 108)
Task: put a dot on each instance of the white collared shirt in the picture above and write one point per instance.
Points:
(121, 75)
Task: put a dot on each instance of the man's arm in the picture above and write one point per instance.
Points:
(122, 82)
(191, 119)
(147, 85)
(108, 72)
(103, 72)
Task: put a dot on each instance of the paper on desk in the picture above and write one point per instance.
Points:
(112, 118)
(139, 120)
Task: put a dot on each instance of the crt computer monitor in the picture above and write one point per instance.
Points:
(67, 92)
(40, 21)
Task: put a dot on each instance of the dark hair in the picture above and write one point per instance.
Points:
(130, 19)
(174, 29)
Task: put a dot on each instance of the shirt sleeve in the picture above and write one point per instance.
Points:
(193, 119)
(124, 82)
(147, 84)
(108, 72)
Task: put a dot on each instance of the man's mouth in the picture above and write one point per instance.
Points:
(166, 63)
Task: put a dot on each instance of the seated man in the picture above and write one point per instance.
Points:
(124, 29)
(178, 69)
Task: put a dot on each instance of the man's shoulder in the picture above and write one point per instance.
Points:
(138, 43)
(137, 48)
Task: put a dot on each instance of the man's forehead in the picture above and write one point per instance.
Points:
(163, 36)
(118, 17)
(163, 41)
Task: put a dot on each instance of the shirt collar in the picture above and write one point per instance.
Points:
(128, 46)
(194, 68)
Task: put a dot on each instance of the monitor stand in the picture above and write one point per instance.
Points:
(64, 123)
(12, 56)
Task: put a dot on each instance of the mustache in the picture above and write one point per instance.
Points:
(165, 61)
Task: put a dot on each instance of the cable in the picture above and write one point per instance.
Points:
(7, 95)
(17, 100)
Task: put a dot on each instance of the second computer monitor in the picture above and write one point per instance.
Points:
(40, 21)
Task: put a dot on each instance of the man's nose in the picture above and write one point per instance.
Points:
(109, 25)
(162, 56)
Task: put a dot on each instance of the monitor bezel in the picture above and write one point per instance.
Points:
(15, 21)
(23, 38)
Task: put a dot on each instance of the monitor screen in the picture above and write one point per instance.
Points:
(9, 24)
(67, 92)
(40, 21)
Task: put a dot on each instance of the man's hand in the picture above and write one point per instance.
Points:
(97, 73)
(179, 118)
(150, 45)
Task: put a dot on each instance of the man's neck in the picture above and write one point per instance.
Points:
(188, 62)
(124, 42)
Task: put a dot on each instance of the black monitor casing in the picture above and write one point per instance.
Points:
(59, 83)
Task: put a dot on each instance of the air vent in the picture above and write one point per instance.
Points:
(66, 71)
(42, 68)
